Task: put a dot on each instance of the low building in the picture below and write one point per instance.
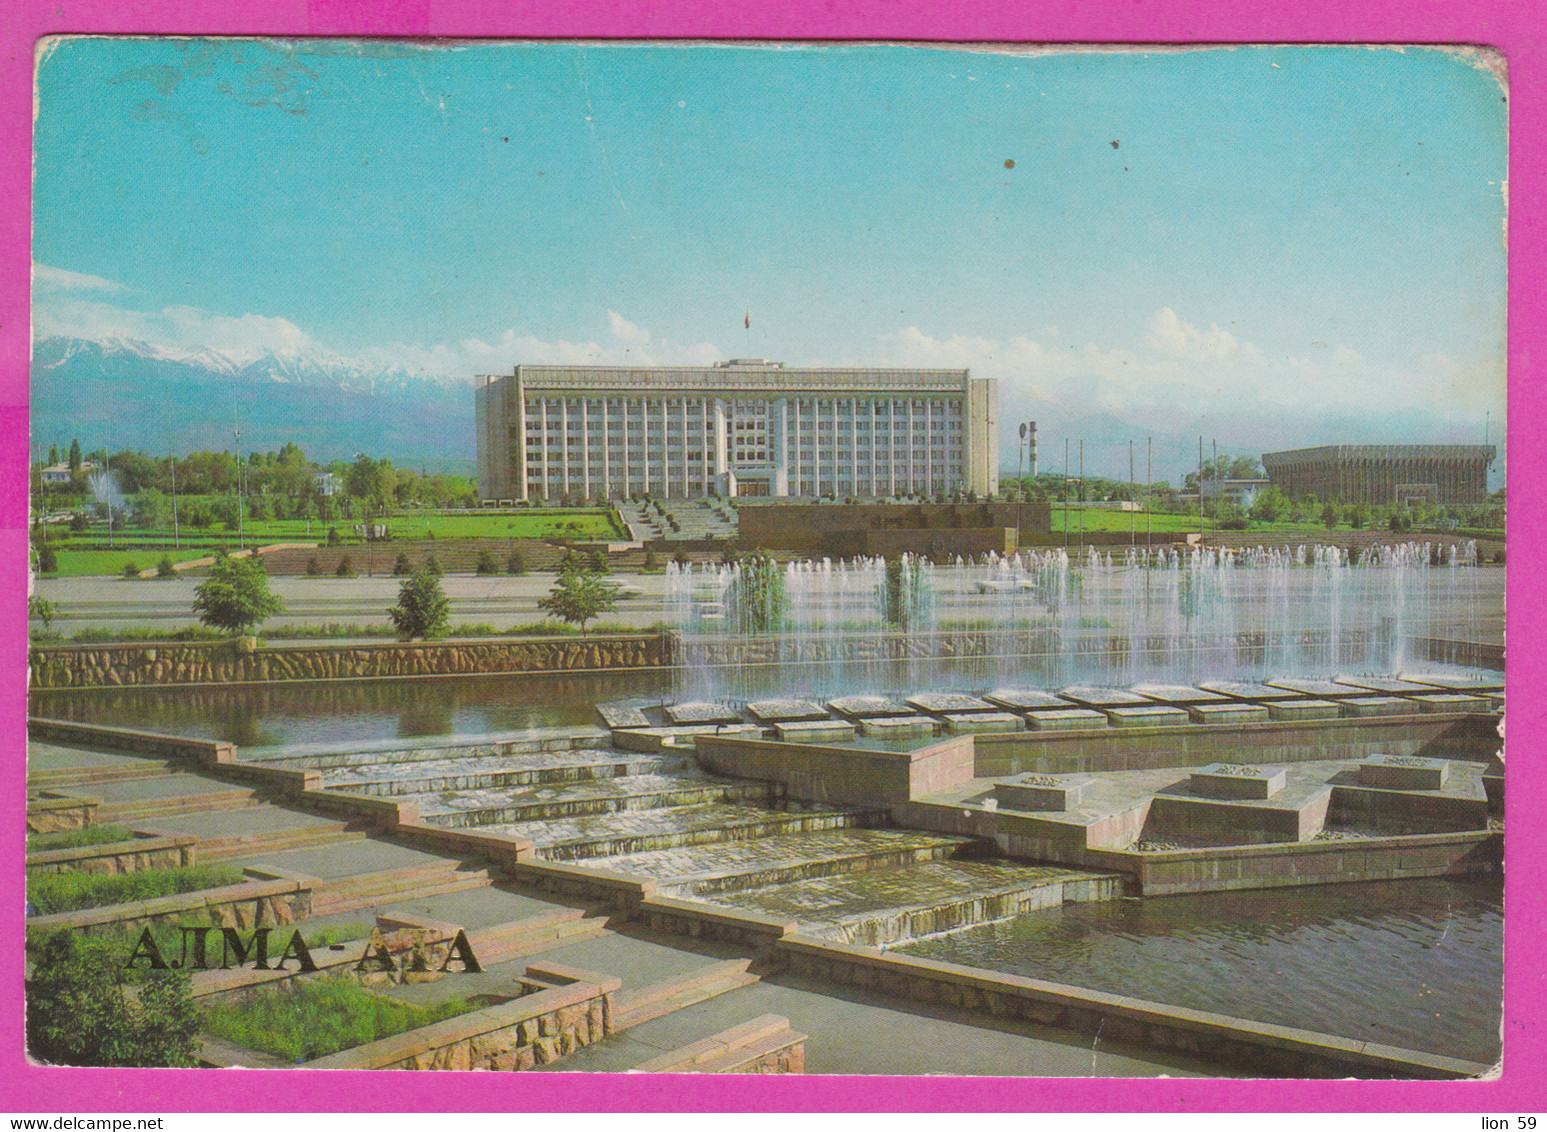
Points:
(745, 427)
(1405, 474)
(1243, 493)
(936, 530)
(56, 474)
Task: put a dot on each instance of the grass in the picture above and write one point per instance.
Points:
(85, 563)
(77, 838)
(312, 1018)
(50, 893)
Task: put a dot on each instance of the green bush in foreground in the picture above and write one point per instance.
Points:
(79, 1013)
(70, 892)
(76, 838)
(315, 1017)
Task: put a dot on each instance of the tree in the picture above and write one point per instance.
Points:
(75, 455)
(42, 609)
(164, 568)
(486, 563)
(48, 561)
(235, 596)
(1270, 505)
(402, 568)
(580, 595)
(422, 608)
(79, 1012)
(515, 564)
(1329, 514)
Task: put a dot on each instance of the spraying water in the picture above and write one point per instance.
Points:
(1048, 619)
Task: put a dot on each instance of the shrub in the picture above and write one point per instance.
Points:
(70, 892)
(401, 567)
(313, 567)
(76, 838)
(316, 1017)
(515, 564)
(79, 1014)
(346, 567)
(48, 561)
(333, 539)
(131, 570)
(485, 563)
(432, 566)
(80, 522)
(164, 568)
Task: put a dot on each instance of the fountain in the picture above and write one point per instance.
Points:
(1049, 619)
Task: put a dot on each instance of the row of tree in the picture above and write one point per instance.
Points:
(286, 479)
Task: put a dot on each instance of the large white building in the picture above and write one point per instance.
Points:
(742, 427)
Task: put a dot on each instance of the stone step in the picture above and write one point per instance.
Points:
(739, 865)
(636, 792)
(534, 935)
(148, 809)
(633, 1006)
(344, 894)
(891, 906)
(81, 778)
(486, 773)
(715, 823)
(276, 841)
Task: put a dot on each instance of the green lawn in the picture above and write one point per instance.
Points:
(79, 563)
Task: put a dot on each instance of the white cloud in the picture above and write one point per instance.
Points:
(1170, 335)
(46, 278)
(626, 331)
(246, 333)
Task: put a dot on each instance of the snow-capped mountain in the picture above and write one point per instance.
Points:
(125, 393)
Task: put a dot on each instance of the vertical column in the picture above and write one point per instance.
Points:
(644, 441)
(585, 446)
(623, 427)
(870, 419)
(543, 403)
(606, 440)
(687, 448)
(778, 441)
(908, 419)
(853, 445)
(666, 446)
(929, 443)
(525, 468)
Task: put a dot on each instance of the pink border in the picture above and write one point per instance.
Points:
(1505, 24)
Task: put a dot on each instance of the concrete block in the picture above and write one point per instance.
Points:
(700, 712)
(867, 707)
(1453, 701)
(785, 711)
(898, 726)
(1065, 719)
(941, 703)
(1041, 792)
(1377, 706)
(1403, 772)
(1302, 709)
(1227, 713)
(1021, 702)
(815, 729)
(1153, 716)
(965, 723)
(1232, 780)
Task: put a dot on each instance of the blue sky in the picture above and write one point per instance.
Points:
(1271, 247)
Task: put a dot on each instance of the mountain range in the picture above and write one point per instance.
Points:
(122, 393)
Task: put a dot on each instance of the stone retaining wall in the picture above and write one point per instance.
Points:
(532, 1030)
(766, 1044)
(172, 851)
(252, 904)
(1257, 1048)
(53, 813)
(224, 662)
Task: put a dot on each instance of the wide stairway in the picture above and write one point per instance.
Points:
(835, 871)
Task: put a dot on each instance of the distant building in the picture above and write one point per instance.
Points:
(745, 427)
(1243, 493)
(56, 474)
(1407, 474)
(326, 484)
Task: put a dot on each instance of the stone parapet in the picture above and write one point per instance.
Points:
(1259, 1049)
(251, 904)
(167, 851)
(203, 662)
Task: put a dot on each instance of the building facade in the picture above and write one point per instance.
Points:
(1406, 474)
(744, 427)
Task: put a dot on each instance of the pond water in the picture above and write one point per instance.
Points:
(1414, 963)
